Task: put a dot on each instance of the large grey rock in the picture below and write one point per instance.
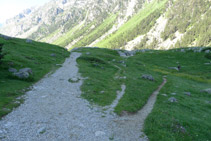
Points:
(21, 75)
(172, 99)
(148, 77)
(12, 70)
(207, 91)
(28, 70)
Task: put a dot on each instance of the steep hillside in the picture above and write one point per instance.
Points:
(41, 58)
(126, 24)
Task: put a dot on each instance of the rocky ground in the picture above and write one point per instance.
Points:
(54, 110)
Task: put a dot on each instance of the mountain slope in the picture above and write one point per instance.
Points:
(127, 24)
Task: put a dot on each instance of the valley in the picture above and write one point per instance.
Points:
(107, 70)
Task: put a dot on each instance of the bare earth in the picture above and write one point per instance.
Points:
(53, 110)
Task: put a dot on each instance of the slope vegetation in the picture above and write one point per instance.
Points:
(185, 118)
(40, 57)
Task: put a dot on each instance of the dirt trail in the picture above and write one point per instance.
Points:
(53, 110)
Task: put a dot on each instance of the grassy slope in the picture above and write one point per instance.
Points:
(35, 56)
(133, 22)
(62, 40)
(97, 32)
(190, 112)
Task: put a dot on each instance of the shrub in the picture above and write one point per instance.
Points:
(1, 52)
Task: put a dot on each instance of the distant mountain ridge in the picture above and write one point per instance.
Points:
(126, 24)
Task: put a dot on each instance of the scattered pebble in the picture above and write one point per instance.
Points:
(172, 99)
(187, 93)
(173, 93)
(164, 94)
(148, 77)
(42, 130)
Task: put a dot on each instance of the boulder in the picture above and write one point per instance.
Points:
(172, 99)
(148, 77)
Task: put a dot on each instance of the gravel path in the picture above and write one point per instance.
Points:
(54, 111)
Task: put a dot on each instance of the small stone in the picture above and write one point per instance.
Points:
(73, 80)
(53, 55)
(174, 68)
(42, 130)
(172, 99)
(88, 53)
(164, 94)
(187, 93)
(8, 124)
(173, 93)
(99, 133)
(12, 70)
(17, 102)
(102, 92)
(114, 60)
(148, 77)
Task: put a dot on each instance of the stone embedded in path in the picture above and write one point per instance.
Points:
(172, 99)
(99, 133)
(74, 80)
(42, 130)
